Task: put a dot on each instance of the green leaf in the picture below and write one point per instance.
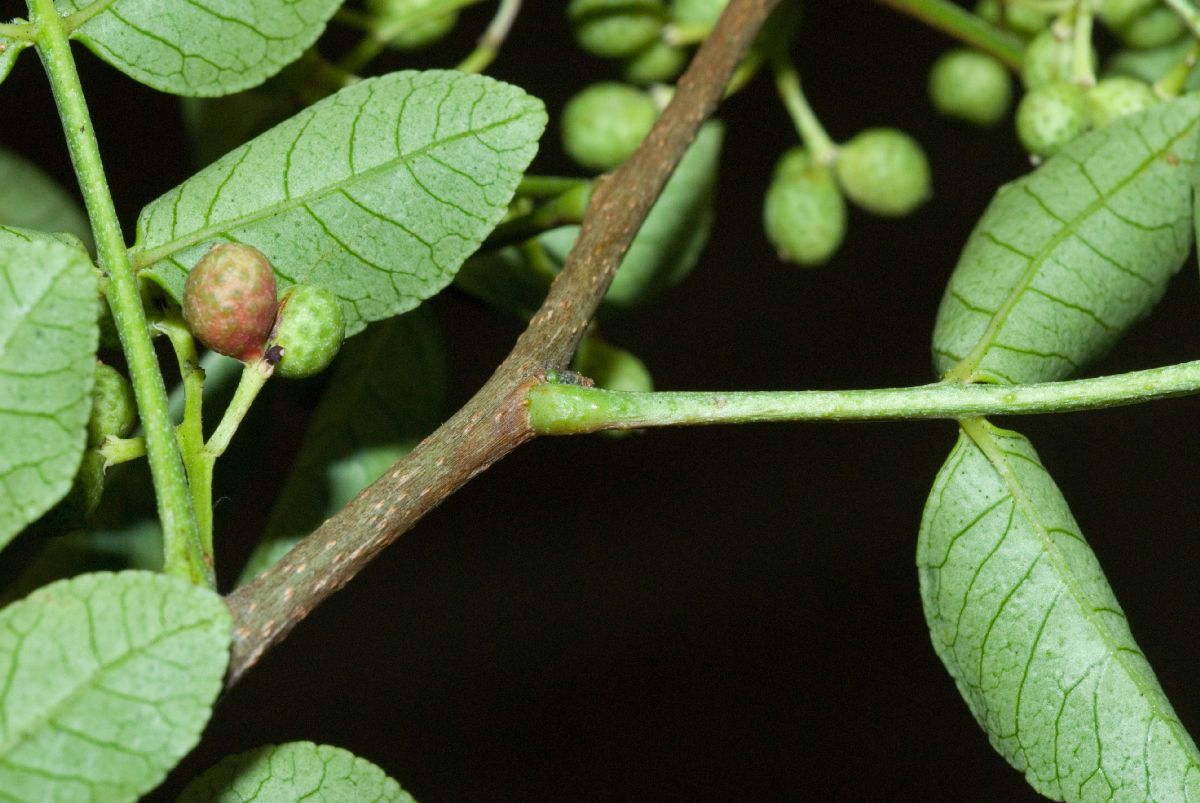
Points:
(378, 193)
(48, 338)
(30, 199)
(9, 50)
(1067, 257)
(295, 771)
(108, 681)
(214, 47)
(387, 394)
(1024, 620)
(665, 250)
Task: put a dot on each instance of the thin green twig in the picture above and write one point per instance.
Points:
(964, 26)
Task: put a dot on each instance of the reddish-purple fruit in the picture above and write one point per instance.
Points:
(229, 300)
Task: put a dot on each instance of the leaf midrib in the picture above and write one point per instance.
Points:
(143, 258)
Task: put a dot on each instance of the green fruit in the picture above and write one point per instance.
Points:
(1048, 60)
(423, 32)
(604, 124)
(114, 410)
(1051, 116)
(308, 332)
(1019, 19)
(616, 29)
(884, 171)
(1116, 97)
(658, 63)
(971, 86)
(1119, 13)
(804, 214)
(1157, 27)
(697, 12)
(72, 511)
(610, 367)
(229, 300)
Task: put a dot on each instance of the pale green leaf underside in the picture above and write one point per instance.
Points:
(386, 395)
(30, 199)
(9, 50)
(202, 47)
(664, 251)
(1027, 625)
(1067, 257)
(107, 681)
(377, 193)
(295, 771)
(48, 338)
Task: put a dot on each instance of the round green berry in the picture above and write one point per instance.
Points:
(423, 32)
(804, 214)
(308, 332)
(615, 29)
(697, 12)
(970, 86)
(610, 367)
(1051, 116)
(884, 171)
(114, 410)
(658, 63)
(1116, 97)
(1156, 27)
(604, 124)
(229, 300)
(1019, 19)
(1118, 13)
(1049, 59)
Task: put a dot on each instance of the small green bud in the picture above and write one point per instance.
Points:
(604, 124)
(1019, 19)
(308, 332)
(658, 63)
(1049, 60)
(971, 86)
(615, 29)
(1051, 116)
(884, 171)
(422, 33)
(1156, 27)
(1116, 97)
(697, 12)
(229, 300)
(610, 367)
(804, 214)
(114, 410)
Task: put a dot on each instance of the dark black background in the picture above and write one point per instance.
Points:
(710, 614)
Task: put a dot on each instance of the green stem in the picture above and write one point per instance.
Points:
(564, 409)
(493, 38)
(1172, 83)
(681, 34)
(183, 555)
(21, 31)
(384, 30)
(1082, 72)
(1186, 12)
(548, 186)
(955, 20)
(84, 14)
(254, 376)
(567, 208)
(820, 146)
(116, 450)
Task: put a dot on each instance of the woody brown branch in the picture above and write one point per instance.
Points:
(494, 421)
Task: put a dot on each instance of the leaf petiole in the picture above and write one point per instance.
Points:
(820, 146)
(492, 39)
(956, 21)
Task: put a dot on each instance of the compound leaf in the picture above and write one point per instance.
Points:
(30, 199)
(108, 681)
(1067, 257)
(295, 771)
(386, 395)
(1024, 620)
(189, 47)
(48, 338)
(377, 193)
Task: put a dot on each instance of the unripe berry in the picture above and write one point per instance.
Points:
(1049, 60)
(658, 63)
(604, 124)
(308, 332)
(229, 300)
(1051, 116)
(697, 12)
(804, 214)
(615, 29)
(419, 34)
(114, 410)
(1019, 19)
(971, 86)
(1116, 97)
(1154, 28)
(612, 368)
(1119, 13)
(884, 171)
